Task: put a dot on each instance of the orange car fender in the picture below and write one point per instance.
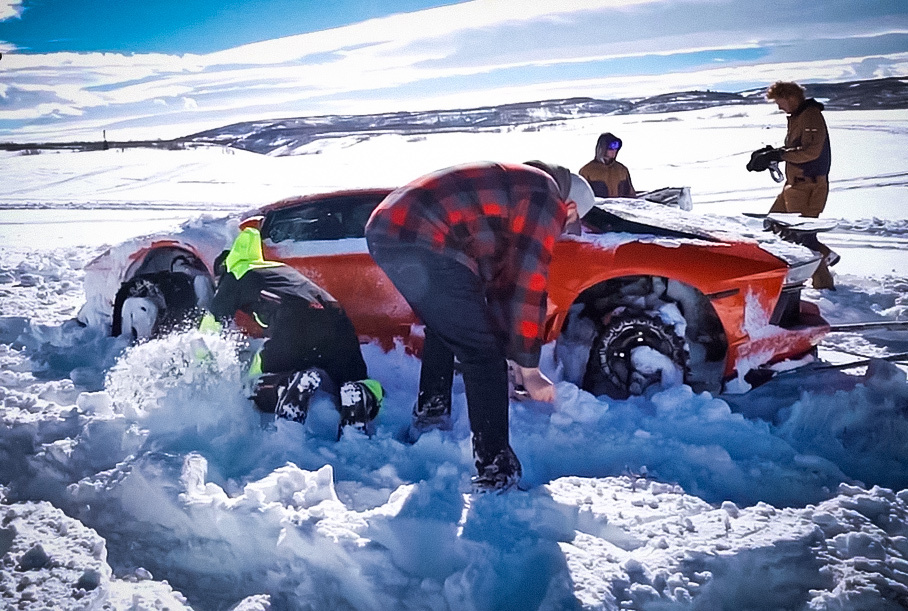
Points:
(726, 275)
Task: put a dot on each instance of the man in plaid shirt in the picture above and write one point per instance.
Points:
(469, 249)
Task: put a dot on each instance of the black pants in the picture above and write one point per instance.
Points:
(451, 302)
(301, 337)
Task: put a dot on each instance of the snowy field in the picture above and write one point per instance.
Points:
(140, 478)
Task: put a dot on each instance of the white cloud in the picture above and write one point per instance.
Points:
(10, 9)
(400, 30)
(473, 53)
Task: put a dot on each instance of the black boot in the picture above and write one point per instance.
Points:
(430, 413)
(499, 474)
(358, 407)
(293, 400)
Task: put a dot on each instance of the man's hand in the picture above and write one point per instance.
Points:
(761, 158)
(774, 154)
(539, 387)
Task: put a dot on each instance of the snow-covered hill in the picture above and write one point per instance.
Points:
(292, 135)
(288, 136)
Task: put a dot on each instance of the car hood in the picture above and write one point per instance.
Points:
(627, 220)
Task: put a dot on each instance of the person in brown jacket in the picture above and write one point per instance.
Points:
(607, 176)
(807, 156)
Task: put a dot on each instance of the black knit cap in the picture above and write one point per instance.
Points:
(561, 175)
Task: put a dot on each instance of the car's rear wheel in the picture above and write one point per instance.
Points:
(634, 352)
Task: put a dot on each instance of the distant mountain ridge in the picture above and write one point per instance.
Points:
(283, 136)
(286, 136)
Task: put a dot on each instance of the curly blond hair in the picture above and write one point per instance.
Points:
(785, 89)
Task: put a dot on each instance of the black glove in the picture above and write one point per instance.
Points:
(761, 158)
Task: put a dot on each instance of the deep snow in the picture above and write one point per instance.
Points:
(141, 478)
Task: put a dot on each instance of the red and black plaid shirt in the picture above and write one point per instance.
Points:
(501, 221)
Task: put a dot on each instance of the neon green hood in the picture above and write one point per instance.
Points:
(246, 254)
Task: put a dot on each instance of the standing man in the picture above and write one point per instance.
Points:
(607, 176)
(469, 249)
(310, 342)
(808, 157)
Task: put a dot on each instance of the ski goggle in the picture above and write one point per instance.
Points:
(614, 145)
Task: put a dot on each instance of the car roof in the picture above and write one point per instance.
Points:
(315, 198)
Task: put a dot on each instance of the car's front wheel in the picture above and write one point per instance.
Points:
(154, 303)
(634, 352)
(139, 317)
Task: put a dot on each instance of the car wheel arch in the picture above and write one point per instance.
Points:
(633, 295)
(146, 274)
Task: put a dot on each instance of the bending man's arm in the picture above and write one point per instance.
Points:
(539, 387)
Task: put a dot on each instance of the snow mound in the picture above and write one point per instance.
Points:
(670, 499)
(51, 561)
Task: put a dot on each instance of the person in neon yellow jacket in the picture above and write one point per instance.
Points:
(310, 343)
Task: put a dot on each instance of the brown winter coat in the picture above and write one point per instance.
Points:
(608, 180)
(807, 151)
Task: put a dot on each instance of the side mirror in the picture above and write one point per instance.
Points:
(253, 222)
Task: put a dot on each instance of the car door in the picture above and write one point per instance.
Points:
(324, 239)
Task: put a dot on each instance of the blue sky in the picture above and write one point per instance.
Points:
(182, 26)
(71, 68)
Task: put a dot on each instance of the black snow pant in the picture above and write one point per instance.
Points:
(450, 300)
(301, 337)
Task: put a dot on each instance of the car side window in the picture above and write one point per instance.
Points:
(328, 220)
(303, 224)
(356, 218)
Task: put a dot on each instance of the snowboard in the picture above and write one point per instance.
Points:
(797, 229)
(792, 222)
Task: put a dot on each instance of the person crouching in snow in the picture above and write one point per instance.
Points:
(469, 249)
(310, 343)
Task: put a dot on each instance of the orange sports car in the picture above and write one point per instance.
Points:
(648, 291)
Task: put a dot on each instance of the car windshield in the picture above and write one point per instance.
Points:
(330, 219)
